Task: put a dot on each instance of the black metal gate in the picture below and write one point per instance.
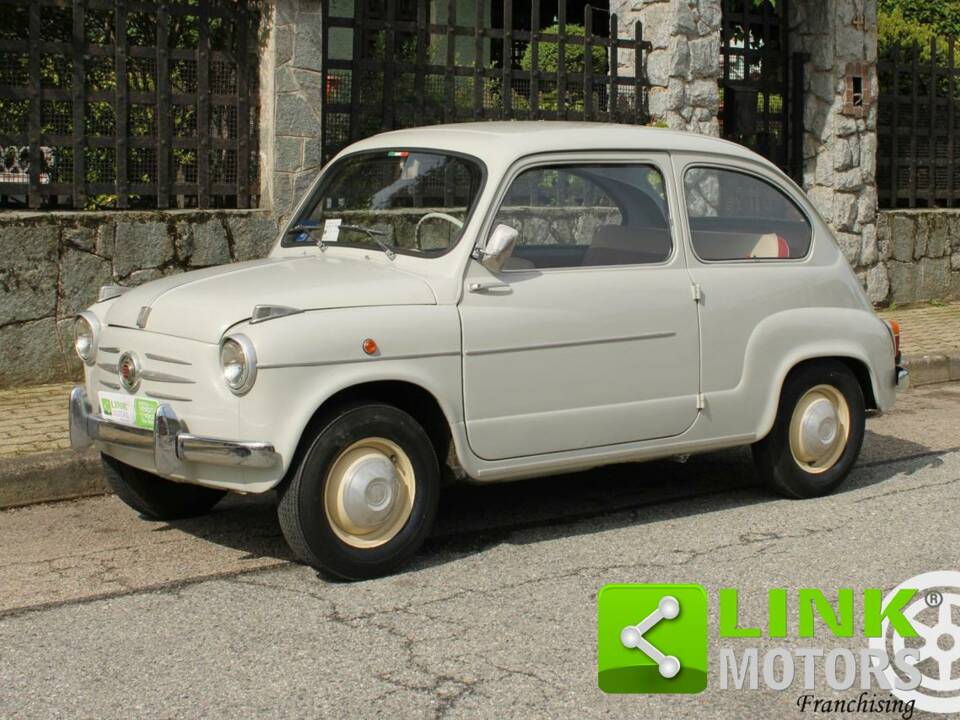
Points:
(402, 63)
(762, 85)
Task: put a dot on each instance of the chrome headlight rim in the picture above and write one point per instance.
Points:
(249, 375)
(93, 323)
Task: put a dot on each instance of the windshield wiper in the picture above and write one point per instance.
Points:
(309, 229)
(374, 235)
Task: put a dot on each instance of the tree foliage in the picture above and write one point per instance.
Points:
(548, 61)
(940, 17)
(548, 53)
(895, 27)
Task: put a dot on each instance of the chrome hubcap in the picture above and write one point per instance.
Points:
(370, 492)
(819, 428)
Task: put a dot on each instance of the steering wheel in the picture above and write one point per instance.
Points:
(434, 216)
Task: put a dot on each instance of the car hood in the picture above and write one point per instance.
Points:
(203, 304)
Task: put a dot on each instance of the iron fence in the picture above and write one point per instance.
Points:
(918, 152)
(114, 104)
(401, 63)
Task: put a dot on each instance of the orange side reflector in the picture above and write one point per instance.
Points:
(895, 327)
(370, 346)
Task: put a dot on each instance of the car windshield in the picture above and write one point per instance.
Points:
(404, 201)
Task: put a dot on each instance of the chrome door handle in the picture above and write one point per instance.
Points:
(484, 286)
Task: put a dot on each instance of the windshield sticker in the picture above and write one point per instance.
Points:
(331, 230)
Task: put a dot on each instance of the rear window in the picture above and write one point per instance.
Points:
(737, 216)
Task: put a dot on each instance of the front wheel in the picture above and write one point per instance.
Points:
(364, 496)
(818, 432)
(157, 498)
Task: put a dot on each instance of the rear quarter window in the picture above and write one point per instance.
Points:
(737, 216)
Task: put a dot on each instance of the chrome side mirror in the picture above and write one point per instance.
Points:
(498, 248)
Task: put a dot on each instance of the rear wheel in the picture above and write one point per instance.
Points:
(155, 497)
(364, 496)
(818, 432)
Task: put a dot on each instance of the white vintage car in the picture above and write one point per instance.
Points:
(487, 302)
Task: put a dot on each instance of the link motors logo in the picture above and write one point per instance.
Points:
(654, 639)
(934, 652)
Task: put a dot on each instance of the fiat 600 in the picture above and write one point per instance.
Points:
(488, 302)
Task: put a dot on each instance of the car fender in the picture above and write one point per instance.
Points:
(785, 339)
(305, 359)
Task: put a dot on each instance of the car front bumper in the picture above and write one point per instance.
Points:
(902, 379)
(172, 445)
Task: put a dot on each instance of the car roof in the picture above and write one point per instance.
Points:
(518, 138)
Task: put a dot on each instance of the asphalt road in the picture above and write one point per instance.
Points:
(105, 615)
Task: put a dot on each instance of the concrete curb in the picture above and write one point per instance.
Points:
(930, 368)
(45, 477)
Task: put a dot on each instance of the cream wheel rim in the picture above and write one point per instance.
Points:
(370, 492)
(819, 428)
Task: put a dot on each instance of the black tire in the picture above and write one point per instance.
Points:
(773, 457)
(303, 517)
(156, 497)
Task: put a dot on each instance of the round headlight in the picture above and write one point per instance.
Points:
(86, 335)
(238, 362)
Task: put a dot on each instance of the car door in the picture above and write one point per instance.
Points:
(589, 336)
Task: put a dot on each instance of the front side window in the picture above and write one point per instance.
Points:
(408, 201)
(587, 215)
(737, 216)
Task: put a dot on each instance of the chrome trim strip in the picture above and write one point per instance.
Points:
(166, 378)
(902, 379)
(79, 411)
(164, 396)
(221, 452)
(108, 367)
(171, 443)
(112, 386)
(166, 432)
(143, 316)
(250, 358)
(262, 313)
(113, 350)
(108, 292)
(166, 359)
(97, 329)
(125, 435)
(321, 363)
(130, 379)
(570, 343)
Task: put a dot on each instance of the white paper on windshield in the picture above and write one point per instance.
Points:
(331, 230)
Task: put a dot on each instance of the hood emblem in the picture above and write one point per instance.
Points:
(142, 317)
(128, 368)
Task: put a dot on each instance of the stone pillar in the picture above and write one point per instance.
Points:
(683, 66)
(291, 98)
(840, 130)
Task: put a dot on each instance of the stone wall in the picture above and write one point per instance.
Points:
(292, 81)
(683, 67)
(840, 141)
(919, 250)
(52, 264)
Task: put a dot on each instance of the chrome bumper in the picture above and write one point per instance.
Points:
(172, 445)
(902, 379)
